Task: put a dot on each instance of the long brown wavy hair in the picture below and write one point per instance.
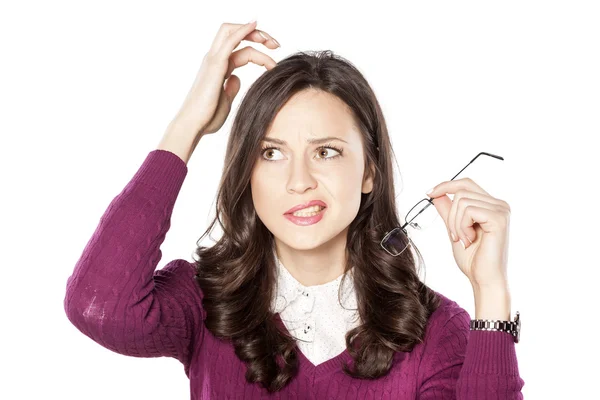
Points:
(237, 275)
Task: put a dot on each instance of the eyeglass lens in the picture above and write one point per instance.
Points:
(421, 217)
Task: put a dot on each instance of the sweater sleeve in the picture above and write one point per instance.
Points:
(114, 295)
(470, 365)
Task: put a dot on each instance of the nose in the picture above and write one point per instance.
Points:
(300, 178)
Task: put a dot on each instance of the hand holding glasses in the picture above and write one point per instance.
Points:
(420, 217)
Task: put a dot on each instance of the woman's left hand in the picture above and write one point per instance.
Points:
(482, 222)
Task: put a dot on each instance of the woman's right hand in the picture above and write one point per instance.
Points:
(208, 102)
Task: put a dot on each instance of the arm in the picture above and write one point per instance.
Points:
(464, 364)
(114, 295)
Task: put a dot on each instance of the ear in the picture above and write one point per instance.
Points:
(368, 179)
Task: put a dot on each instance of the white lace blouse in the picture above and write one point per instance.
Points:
(314, 315)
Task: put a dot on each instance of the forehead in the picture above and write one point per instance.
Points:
(312, 114)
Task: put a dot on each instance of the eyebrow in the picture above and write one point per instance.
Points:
(309, 141)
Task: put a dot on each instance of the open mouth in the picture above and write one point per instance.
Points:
(307, 216)
(308, 212)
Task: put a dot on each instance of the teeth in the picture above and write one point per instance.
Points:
(308, 212)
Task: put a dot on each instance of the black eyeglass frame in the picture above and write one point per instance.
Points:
(429, 203)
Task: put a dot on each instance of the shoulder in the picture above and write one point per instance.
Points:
(448, 319)
(178, 277)
(444, 347)
(177, 270)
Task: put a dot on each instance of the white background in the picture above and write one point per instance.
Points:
(88, 88)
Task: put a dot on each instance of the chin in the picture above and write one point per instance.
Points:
(308, 239)
(300, 241)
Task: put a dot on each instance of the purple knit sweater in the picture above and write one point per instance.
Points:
(116, 297)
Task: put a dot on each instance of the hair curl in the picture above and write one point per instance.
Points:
(237, 275)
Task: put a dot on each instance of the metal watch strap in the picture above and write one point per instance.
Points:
(512, 327)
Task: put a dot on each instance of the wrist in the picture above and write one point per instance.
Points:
(492, 302)
(180, 140)
(182, 126)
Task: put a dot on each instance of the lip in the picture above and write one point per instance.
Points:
(306, 205)
(304, 221)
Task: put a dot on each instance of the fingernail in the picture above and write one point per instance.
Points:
(263, 35)
(429, 191)
(463, 243)
(251, 22)
(276, 42)
(453, 236)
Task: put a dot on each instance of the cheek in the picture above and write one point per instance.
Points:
(341, 185)
(344, 190)
(259, 191)
(263, 198)
(349, 199)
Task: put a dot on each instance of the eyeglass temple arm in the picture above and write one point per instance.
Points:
(475, 158)
(430, 202)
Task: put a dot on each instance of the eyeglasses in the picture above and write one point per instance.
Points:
(419, 217)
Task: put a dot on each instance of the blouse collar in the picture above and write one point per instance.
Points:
(291, 293)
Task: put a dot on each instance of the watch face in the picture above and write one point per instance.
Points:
(518, 327)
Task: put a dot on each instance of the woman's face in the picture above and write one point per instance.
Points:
(298, 172)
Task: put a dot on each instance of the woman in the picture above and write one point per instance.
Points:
(309, 135)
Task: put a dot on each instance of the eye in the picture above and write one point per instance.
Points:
(327, 149)
(323, 149)
(267, 150)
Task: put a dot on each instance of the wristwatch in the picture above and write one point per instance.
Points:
(512, 327)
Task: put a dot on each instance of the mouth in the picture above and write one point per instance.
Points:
(307, 207)
(307, 216)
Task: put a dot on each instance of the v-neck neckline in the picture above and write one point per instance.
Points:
(323, 368)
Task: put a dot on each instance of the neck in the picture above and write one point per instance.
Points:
(315, 266)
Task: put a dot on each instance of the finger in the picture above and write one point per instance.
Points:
(464, 226)
(442, 205)
(455, 185)
(488, 220)
(456, 206)
(452, 214)
(248, 54)
(229, 37)
(259, 36)
(232, 87)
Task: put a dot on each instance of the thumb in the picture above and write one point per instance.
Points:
(232, 87)
(443, 204)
